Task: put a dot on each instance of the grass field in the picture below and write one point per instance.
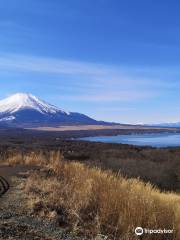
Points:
(90, 201)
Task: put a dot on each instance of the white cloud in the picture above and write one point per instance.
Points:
(99, 82)
(49, 65)
(110, 97)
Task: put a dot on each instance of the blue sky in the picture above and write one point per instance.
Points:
(110, 59)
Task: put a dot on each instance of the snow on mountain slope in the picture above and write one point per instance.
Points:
(21, 101)
(10, 118)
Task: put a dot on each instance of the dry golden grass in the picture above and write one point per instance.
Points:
(34, 158)
(92, 201)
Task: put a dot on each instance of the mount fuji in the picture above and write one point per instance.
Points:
(26, 111)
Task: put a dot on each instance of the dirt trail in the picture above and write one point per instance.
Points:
(17, 220)
(6, 172)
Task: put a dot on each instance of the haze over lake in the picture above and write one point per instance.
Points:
(153, 139)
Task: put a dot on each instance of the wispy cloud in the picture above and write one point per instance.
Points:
(97, 82)
(111, 96)
(49, 65)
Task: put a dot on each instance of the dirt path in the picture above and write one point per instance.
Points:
(6, 172)
(17, 221)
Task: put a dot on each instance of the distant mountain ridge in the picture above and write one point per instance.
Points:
(26, 110)
(165, 125)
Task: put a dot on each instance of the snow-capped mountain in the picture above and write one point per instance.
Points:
(21, 101)
(26, 110)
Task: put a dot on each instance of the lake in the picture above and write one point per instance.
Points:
(150, 139)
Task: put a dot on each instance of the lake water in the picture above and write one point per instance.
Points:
(151, 139)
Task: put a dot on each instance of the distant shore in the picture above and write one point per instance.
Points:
(79, 131)
(100, 127)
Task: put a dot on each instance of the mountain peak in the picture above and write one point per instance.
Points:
(22, 96)
(21, 101)
(26, 110)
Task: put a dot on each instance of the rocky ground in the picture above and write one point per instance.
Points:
(17, 220)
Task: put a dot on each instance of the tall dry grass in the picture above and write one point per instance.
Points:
(92, 201)
(31, 157)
